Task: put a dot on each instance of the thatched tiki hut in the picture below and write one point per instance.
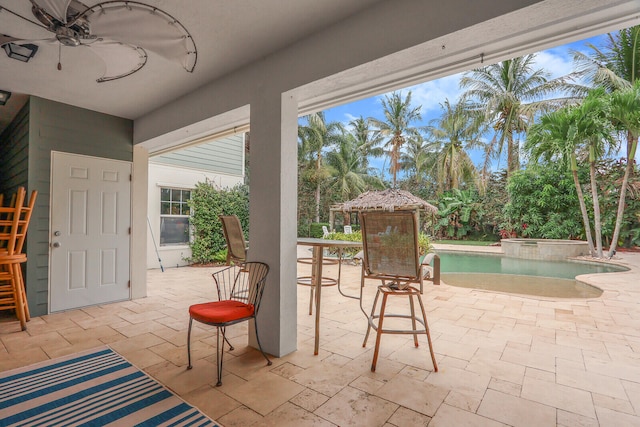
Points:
(388, 200)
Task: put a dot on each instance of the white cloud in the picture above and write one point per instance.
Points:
(431, 94)
(348, 118)
(553, 62)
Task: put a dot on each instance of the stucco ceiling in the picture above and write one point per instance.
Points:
(341, 50)
(228, 35)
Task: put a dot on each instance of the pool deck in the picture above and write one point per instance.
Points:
(504, 359)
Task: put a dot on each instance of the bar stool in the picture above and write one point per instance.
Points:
(391, 255)
(14, 223)
(325, 281)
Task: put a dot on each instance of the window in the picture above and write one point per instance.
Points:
(174, 216)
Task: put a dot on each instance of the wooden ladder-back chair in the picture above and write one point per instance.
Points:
(237, 247)
(239, 292)
(14, 223)
(391, 255)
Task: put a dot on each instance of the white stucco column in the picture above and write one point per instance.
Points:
(272, 215)
(139, 190)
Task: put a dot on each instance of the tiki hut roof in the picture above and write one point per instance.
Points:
(389, 200)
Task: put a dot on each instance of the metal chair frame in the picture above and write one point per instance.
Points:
(243, 284)
(237, 246)
(397, 278)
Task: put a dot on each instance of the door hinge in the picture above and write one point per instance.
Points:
(129, 230)
(128, 283)
(130, 177)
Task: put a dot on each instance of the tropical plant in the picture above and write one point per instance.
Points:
(397, 127)
(493, 200)
(616, 67)
(625, 115)
(510, 93)
(457, 129)
(553, 139)
(207, 203)
(417, 160)
(460, 214)
(316, 136)
(610, 173)
(594, 132)
(367, 140)
(542, 203)
(356, 236)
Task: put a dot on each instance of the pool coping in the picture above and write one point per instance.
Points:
(614, 285)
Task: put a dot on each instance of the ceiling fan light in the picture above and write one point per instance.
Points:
(21, 52)
(4, 96)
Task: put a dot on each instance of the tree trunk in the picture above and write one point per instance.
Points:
(585, 215)
(597, 224)
(632, 145)
(513, 160)
(318, 165)
(318, 202)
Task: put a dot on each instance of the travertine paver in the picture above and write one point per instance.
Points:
(503, 359)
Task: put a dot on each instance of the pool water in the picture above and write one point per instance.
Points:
(520, 276)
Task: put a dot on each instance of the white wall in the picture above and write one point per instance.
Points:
(182, 178)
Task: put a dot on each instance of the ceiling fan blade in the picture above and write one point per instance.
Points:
(55, 8)
(145, 26)
(120, 59)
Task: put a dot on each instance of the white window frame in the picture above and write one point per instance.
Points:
(171, 202)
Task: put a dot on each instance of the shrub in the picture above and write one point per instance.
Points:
(423, 243)
(356, 236)
(315, 229)
(543, 204)
(207, 203)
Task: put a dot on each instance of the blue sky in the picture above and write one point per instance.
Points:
(556, 61)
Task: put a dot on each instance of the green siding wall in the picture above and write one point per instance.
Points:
(14, 146)
(59, 127)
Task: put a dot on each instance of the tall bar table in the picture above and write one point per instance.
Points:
(319, 246)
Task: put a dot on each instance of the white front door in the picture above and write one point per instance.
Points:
(90, 225)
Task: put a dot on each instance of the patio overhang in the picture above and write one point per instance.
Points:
(288, 61)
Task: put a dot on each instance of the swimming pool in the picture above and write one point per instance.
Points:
(521, 276)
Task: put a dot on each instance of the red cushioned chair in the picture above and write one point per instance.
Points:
(240, 289)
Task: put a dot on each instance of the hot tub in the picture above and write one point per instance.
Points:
(544, 249)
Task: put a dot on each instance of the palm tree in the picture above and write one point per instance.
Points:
(594, 131)
(553, 137)
(418, 159)
(349, 176)
(456, 130)
(625, 115)
(367, 140)
(615, 68)
(314, 138)
(396, 128)
(510, 93)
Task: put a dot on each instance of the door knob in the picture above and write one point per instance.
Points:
(56, 244)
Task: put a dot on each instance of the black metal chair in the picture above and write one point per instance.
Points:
(239, 292)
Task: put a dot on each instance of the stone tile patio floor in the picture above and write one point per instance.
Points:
(503, 359)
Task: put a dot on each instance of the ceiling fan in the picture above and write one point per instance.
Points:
(118, 32)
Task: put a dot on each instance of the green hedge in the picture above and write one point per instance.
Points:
(315, 229)
(207, 203)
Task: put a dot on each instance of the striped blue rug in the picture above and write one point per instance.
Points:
(93, 388)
